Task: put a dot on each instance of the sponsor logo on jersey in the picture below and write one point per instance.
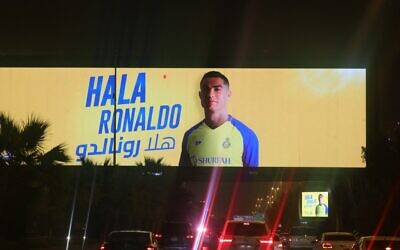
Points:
(215, 160)
(226, 143)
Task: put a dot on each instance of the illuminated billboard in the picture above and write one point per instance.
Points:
(314, 204)
(300, 117)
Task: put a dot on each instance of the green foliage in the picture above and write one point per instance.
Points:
(150, 162)
(89, 163)
(23, 144)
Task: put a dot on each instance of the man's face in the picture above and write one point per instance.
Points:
(214, 94)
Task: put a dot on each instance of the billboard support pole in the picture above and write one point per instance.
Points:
(115, 118)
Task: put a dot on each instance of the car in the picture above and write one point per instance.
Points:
(336, 241)
(129, 240)
(278, 242)
(239, 234)
(284, 237)
(302, 237)
(208, 236)
(378, 243)
(176, 235)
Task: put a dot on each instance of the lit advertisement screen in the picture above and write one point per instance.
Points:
(300, 117)
(314, 204)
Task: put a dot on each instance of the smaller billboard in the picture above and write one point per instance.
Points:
(315, 204)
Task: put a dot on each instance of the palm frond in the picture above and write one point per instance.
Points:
(34, 133)
(55, 156)
(23, 145)
(85, 162)
(9, 134)
(151, 162)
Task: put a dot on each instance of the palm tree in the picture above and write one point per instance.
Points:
(151, 162)
(22, 144)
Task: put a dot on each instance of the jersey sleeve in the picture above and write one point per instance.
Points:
(184, 160)
(250, 152)
(250, 156)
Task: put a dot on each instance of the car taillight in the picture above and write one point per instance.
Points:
(189, 236)
(103, 246)
(266, 241)
(326, 245)
(225, 240)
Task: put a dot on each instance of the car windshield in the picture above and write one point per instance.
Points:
(130, 236)
(246, 229)
(176, 229)
(339, 237)
(303, 231)
(382, 245)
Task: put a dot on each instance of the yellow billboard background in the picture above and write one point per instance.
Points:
(302, 117)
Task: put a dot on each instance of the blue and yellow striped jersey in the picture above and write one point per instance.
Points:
(232, 144)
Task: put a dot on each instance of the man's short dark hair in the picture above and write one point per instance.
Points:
(218, 74)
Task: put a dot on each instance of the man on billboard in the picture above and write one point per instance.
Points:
(321, 209)
(220, 139)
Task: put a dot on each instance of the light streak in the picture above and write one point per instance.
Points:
(72, 210)
(208, 205)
